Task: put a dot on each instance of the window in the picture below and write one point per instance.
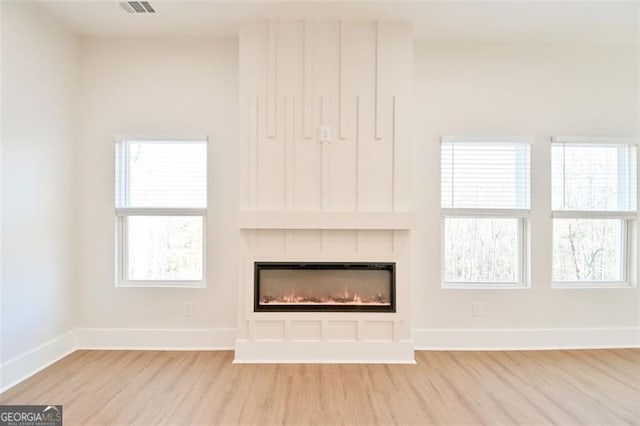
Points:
(161, 201)
(485, 200)
(594, 208)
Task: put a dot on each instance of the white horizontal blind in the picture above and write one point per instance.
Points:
(485, 175)
(161, 174)
(594, 177)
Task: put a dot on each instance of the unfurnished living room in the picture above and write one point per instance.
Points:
(319, 212)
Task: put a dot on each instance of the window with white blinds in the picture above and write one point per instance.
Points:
(594, 201)
(160, 174)
(489, 175)
(160, 200)
(485, 200)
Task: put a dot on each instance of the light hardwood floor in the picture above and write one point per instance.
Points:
(155, 387)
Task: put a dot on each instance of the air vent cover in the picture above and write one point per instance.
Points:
(137, 7)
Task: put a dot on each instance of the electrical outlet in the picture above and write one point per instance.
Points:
(187, 310)
(477, 309)
(324, 134)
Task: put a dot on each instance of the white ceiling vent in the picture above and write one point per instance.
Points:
(137, 7)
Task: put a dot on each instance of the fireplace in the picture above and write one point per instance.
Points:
(324, 286)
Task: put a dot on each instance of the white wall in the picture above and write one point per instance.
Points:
(167, 87)
(190, 85)
(532, 90)
(38, 125)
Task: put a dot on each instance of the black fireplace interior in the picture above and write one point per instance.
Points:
(324, 286)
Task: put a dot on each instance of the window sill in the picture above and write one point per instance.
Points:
(484, 286)
(588, 285)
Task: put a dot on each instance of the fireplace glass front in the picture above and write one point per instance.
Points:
(315, 286)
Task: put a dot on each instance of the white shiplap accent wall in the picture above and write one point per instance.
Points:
(355, 78)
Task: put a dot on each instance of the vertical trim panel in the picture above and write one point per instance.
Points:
(289, 134)
(286, 143)
(342, 107)
(326, 168)
(394, 190)
(254, 137)
(357, 169)
(357, 165)
(326, 157)
(377, 95)
(245, 154)
(307, 69)
(272, 79)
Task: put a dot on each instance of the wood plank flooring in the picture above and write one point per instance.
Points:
(521, 387)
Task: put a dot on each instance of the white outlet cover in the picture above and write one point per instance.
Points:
(324, 134)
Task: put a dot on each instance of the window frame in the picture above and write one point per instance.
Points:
(629, 220)
(522, 255)
(122, 214)
(523, 258)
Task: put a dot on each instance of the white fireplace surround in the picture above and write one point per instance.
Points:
(324, 134)
(324, 337)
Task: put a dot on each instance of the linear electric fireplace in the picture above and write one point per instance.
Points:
(324, 286)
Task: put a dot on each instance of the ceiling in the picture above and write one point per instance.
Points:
(591, 23)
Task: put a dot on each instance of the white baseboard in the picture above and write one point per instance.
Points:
(20, 368)
(156, 339)
(26, 365)
(526, 339)
(322, 352)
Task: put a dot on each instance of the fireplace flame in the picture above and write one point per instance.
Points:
(342, 298)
